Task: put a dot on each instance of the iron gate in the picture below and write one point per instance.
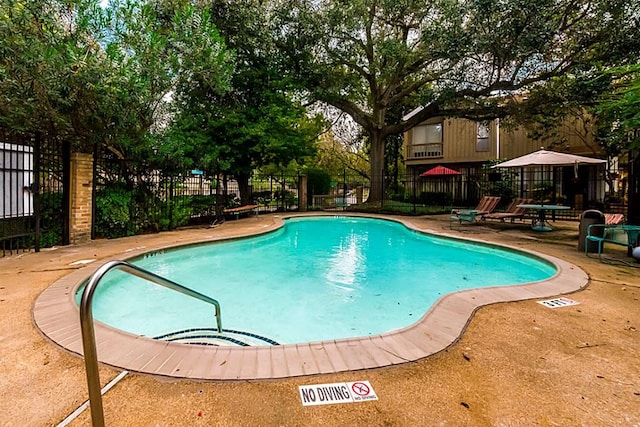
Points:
(34, 202)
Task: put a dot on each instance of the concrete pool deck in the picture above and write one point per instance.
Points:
(56, 315)
(516, 363)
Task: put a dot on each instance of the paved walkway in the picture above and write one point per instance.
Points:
(515, 364)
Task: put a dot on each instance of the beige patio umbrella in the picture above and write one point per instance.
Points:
(548, 158)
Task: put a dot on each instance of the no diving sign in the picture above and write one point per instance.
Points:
(326, 394)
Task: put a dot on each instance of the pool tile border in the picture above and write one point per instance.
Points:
(57, 316)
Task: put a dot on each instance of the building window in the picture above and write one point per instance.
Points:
(482, 136)
(428, 134)
(426, 142)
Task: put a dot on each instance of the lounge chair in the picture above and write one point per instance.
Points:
(613, 218)
(486, 205)
(513, 212)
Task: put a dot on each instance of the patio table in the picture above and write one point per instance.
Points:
(540, 223)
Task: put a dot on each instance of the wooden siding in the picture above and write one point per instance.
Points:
(573, 136)
(458, 142)
(460, 136)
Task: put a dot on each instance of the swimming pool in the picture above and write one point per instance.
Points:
(56, 315)
(314, 279)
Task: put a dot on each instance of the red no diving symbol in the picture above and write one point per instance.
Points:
(361, 389)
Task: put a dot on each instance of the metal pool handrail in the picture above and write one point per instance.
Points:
(88, 332)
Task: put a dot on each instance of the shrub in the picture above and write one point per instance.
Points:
(435, 198)
(113, 213)
(263, 197)
(318, 182)
(51, 221)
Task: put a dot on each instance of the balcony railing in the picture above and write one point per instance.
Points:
(424, 151)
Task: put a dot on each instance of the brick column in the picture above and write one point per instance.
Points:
(80, 198)
(302, 193)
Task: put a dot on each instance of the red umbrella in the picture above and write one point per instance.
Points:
(440, 171)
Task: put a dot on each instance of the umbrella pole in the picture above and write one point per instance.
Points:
(553, 195)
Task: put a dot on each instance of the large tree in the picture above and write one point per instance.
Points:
(48, 67)
(619, 108)
(101, 75)
(258, 121)
(466, 58)
(619, 114)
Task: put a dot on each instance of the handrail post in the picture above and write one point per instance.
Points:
(89, 345)
(88, 331)
(218, 318)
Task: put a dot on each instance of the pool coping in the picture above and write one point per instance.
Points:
(57, 316)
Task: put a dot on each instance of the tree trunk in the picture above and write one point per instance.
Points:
(243, 188)
(376, 193)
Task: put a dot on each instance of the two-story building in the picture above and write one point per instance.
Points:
(471, 147)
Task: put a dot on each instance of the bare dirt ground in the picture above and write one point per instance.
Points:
(516, 364)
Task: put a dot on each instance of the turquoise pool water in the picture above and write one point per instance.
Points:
(317, 278)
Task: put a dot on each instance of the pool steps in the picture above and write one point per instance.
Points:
(211, 336)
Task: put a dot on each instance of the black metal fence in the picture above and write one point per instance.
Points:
(138, 197)
(581, 188)
(132, 197)
(33, 169)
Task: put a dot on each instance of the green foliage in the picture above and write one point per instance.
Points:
(177, 212)
(263, 197)
(122, 212)
(619, 110)
(503, 188)
(435, 198)
(398, 208)
(260, 121)
(425, 198)
(114, 213)
(51, 223)
(503, 185)
(51, 219)
(95, 75)
(469, 59)
(202, 206)
(337, 156)
(318, 182)
(289, 199)
(397, 192)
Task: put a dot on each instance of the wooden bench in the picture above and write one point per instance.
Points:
(241, 210)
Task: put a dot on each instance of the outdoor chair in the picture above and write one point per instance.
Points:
(613, 219)
(513, 212)
(486, 206)
(611, 233)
